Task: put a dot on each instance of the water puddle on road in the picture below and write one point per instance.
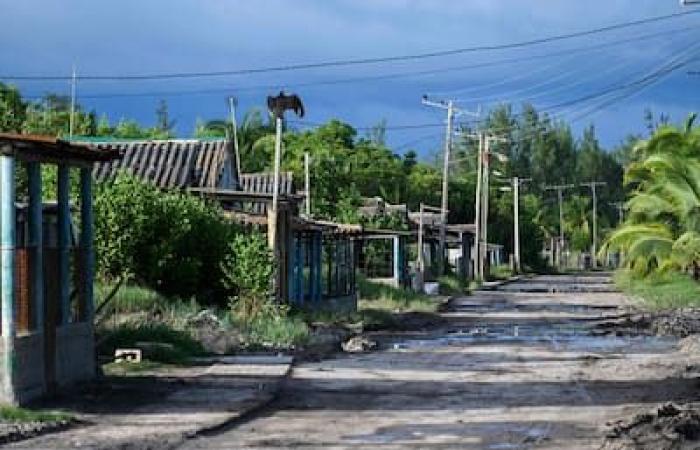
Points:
(573, 336)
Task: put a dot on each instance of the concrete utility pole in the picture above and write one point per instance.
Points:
(307, 185)
(421, 231)
(451, 112)
(593, 185)
(232, 102)
(477, 214)
(71, 119)
(484, 209)
(560, 197)
(620, 211)
(516, 220)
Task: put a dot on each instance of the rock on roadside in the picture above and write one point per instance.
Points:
(667, 428)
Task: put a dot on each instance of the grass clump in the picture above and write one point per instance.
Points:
(16, 414)
(452, 285)
(383, 297)
(129, 298)
(660, 291)
(183, 345)
(278, 330)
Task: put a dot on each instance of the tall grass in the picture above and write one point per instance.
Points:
(660, 291)
(381, 296)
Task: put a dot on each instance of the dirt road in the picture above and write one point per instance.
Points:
(516, 368)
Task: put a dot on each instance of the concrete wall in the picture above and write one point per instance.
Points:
(75, 353)
(29, 354)
(75, 361)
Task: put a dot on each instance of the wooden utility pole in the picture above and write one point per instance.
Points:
(277, 106)
(560, 197)
(451, 112)
(232, 111)
(594, 246)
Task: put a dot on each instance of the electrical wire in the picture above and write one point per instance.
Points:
(363, 61)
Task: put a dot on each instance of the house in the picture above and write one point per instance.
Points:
(316, 259)
(46, 269)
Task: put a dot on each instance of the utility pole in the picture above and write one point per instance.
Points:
(307, 185)
(484, 209)
(478, 272)
(232, 111)
(516, 220)
(620, 207)
(451, 112)
(560, 197)
(593, 185)
(71, 120)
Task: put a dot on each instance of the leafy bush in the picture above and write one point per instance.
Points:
(171, 242)
(248, 272)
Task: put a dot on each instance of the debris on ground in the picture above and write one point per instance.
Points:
(678, 322)
(215, 338)
(668, 428)
(17, 431)
(359, 344)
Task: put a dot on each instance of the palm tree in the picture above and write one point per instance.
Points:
(663, 227)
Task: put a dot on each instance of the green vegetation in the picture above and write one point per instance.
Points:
(377, 296)
(22, 415)
(502, 272)
(660, 291)
(171, 242)
(129, 298)
(662, 230)
(182, 346)
(452, 285)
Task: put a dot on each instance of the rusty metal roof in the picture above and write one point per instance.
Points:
(51, 149)
(169, 163)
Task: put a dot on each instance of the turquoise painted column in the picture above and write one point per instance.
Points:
(301, 294)
(86, 241)
(7, 273)
(64, 242)
(36, 241)
(397, 261)
(317, 257)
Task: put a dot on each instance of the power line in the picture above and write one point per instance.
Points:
(363, 61)
(388, 76)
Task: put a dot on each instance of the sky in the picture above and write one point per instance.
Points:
(134, 37)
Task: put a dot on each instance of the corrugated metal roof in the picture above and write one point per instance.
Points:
(169, 163)
(52, 148)
(262, 183)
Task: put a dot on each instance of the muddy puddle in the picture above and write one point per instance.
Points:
(570, 336)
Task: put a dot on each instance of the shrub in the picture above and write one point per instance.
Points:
(169, 241)
(248, 272)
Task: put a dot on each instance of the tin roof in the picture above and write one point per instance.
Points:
(52, 149)
(173, 163)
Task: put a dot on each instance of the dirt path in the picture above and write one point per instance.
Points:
(516, 368)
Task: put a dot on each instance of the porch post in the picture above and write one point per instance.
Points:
(397, 261)
(36, 241)
(64, 241)
(86, 242)
(7, 275)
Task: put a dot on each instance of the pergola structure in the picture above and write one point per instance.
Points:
(46, 268)
(317, 258)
